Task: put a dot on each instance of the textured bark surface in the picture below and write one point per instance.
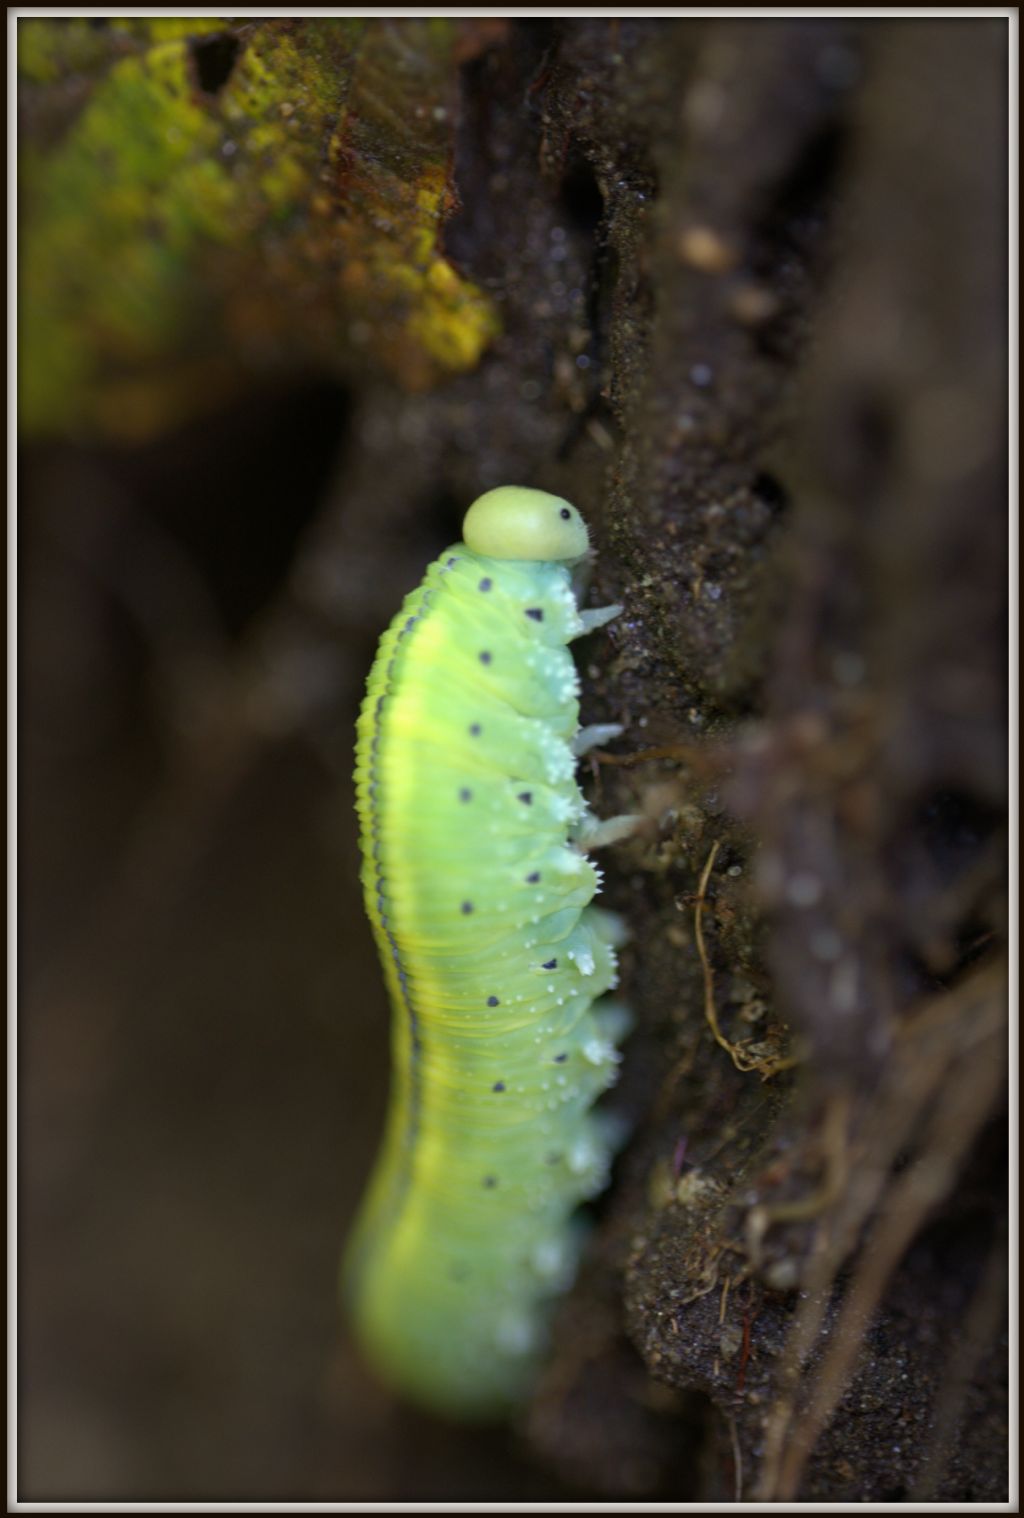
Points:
(737, 288)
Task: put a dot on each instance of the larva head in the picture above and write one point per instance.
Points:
(513, 522)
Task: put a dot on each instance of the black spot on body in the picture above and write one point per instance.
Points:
(475, 729)
(485, 656)
(550, 964)
(535, 612)
(490, 1181)
(526, 797)
(560, 1059)
(465, 794)
(498, 1086)
(486, 584)
(467, 907)
(533, 878)
(492, 1001)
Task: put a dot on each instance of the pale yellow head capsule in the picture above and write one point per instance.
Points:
(513, 522)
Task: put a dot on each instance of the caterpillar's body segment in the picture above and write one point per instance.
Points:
(494, 957)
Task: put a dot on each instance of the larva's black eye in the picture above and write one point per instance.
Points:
(565, 513)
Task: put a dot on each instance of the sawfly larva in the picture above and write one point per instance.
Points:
(479, 891)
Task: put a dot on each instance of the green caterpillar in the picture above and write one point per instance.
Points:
(478, 890)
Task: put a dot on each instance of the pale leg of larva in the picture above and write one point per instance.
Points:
(591, 833)
(594, 735)
(610, 927)
(597, 832)
(597, 616)
(599, 732)
(612, 1019)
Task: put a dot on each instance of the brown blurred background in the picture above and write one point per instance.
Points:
(739, 290)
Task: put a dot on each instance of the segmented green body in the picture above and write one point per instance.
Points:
(493, 957)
